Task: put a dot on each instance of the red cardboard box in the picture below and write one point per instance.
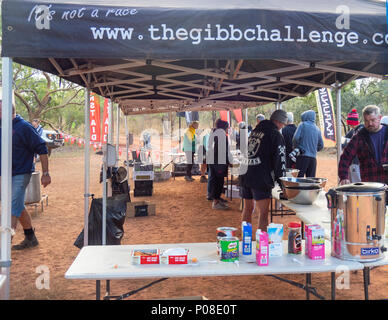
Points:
(166, 258)
(145, 256)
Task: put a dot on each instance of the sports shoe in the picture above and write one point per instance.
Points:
(223, 200)
(219, 206)
(190, 179)
(203, 179)
(26, 243)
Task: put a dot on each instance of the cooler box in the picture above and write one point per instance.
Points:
(140, 209)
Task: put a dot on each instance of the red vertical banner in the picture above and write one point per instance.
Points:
(224, 115)
(105, 122)
(238, 115)
(95, 123)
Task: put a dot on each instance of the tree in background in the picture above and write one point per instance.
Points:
(39, 95)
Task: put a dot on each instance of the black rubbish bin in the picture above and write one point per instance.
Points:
(116, 208)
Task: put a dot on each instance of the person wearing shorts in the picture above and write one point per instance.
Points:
(26, 142)
(266, 163)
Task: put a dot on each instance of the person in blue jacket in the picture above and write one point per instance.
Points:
(308, 139)
(25, 143)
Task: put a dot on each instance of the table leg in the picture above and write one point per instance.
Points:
(107, 290)
(365, 272)
(333, 286)
(98, 291)
(308, 283)
(271, 208)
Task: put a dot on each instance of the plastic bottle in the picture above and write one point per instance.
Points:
(294, 238)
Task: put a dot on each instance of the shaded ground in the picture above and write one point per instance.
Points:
(182, 215)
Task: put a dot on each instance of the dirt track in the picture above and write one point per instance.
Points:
(183, 215)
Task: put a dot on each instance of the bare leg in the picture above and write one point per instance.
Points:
(262, 207)
(203, 169)
(14, 222)
(247, 211)
(25, 219)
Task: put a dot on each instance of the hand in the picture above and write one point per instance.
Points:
(344, 181)
(45, 180)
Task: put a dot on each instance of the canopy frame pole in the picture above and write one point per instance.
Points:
(110, 118)
(127, 145)
(117, 135)
(104, 189)
(6, 175)
(87, 166)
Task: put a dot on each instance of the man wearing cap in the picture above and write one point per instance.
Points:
(370, 145)
(288, 133)
(260, 117)
(355, 126)
(266, 163)
(189, 143)
(25, 143)
(308, 139)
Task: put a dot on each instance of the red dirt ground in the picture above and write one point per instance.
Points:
(182, 215)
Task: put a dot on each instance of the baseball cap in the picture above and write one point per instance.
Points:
(280, 115)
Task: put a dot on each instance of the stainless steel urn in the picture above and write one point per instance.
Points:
(357, 221)
(33, 193)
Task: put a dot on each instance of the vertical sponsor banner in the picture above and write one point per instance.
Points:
(238, 115)
(105, 121)
(95, 124)
(326, 116)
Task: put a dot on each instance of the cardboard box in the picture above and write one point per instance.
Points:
(166, 258)
(145, 256)
(140, 209)
(275, 236)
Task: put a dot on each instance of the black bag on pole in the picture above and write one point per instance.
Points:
(116, 208)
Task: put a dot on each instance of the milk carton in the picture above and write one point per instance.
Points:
(261, 248)
(246, 230)
(306, 228)
(275, 237)
(315, 242)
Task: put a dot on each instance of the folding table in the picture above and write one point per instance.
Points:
(113, 262)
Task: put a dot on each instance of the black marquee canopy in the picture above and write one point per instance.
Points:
(158, 56)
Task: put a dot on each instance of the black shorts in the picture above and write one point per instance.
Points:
(256, 194)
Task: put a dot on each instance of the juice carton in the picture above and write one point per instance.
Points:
(306, 228)
(316, 243)
(275, 237)
(262, 248)
(246, 230)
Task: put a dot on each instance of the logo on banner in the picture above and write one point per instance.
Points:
(326, 116)
(43, 16)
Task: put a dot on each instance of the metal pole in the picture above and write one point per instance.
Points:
(110, 117)
(127, 145)
(87, 167)
(117, 135)
(339, 126)
(104, 200)
(6, 174)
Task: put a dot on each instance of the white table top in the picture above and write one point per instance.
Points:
(113, 262)
(317, 213)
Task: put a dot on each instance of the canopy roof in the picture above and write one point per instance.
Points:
(157, 56)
